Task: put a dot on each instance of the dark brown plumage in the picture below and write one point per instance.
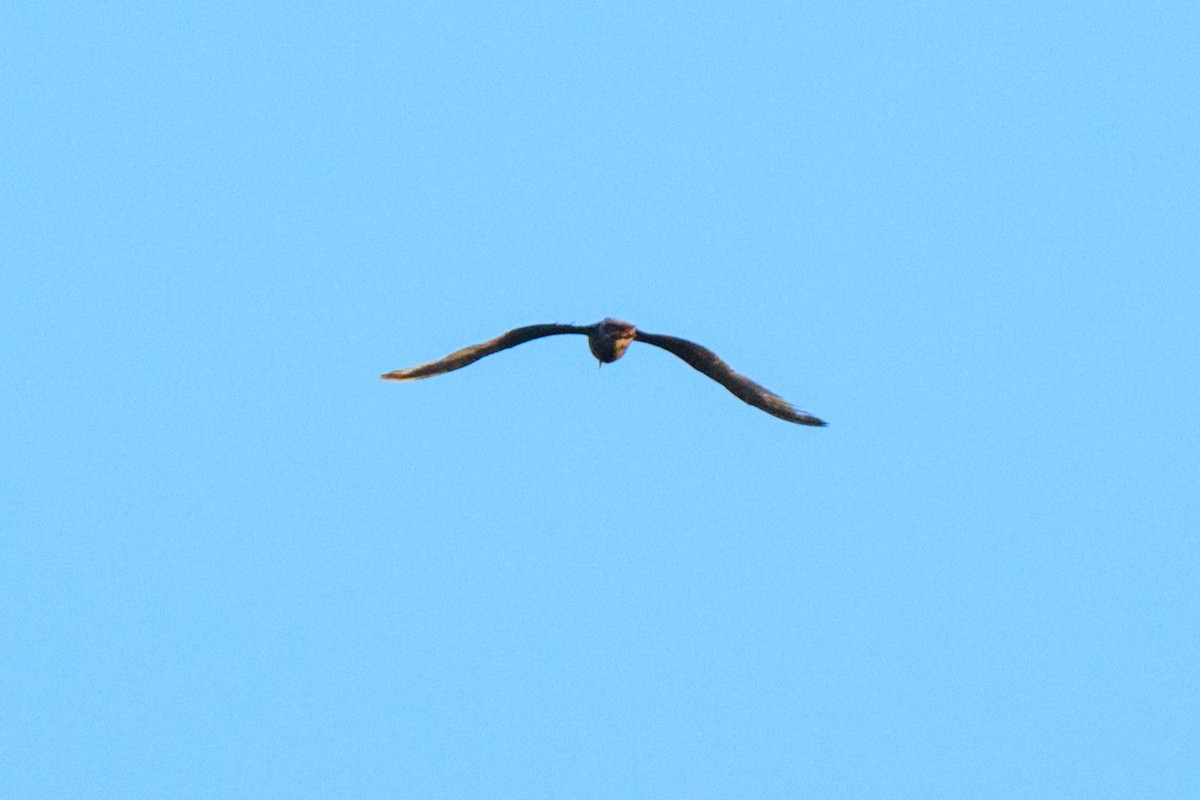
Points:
(608, 340)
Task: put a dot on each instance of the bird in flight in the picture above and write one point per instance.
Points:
(608, 340)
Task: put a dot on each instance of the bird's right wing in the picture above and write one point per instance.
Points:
(706, 361)
(468, 355)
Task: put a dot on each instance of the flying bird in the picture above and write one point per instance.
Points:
(608, 340)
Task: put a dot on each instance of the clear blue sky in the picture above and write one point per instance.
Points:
(236, 564)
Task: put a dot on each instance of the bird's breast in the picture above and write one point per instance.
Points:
(607, 349)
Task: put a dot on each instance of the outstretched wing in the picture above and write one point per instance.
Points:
(707, 362)
(468, 355)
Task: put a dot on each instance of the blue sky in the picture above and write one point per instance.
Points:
(236, 564)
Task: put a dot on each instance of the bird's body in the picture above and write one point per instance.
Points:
(608, 340)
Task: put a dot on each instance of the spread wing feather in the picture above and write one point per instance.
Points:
(706, 361)
(469, 355)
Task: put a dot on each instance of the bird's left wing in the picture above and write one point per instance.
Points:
(469, 355)
(706, 361)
